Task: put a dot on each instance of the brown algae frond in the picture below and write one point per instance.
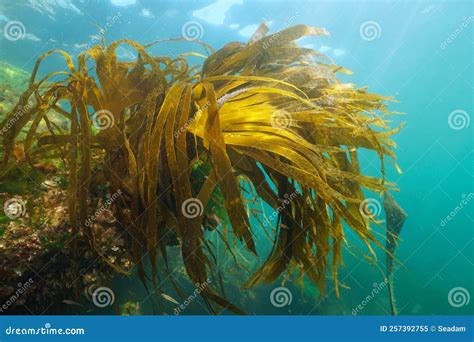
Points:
(182, 144)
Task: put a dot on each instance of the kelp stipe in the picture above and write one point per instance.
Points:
(268, 112)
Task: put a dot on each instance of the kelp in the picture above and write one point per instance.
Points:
(268, 111)
(395, 217)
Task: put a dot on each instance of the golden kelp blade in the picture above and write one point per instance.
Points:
(269, 112)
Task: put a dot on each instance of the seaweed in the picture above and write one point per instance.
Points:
(177, 140)
(395, 217)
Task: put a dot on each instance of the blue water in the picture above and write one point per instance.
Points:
(422, 55)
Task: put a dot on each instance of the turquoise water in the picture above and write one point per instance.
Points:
(419, 52)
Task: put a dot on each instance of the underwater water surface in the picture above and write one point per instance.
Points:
(421, 53)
